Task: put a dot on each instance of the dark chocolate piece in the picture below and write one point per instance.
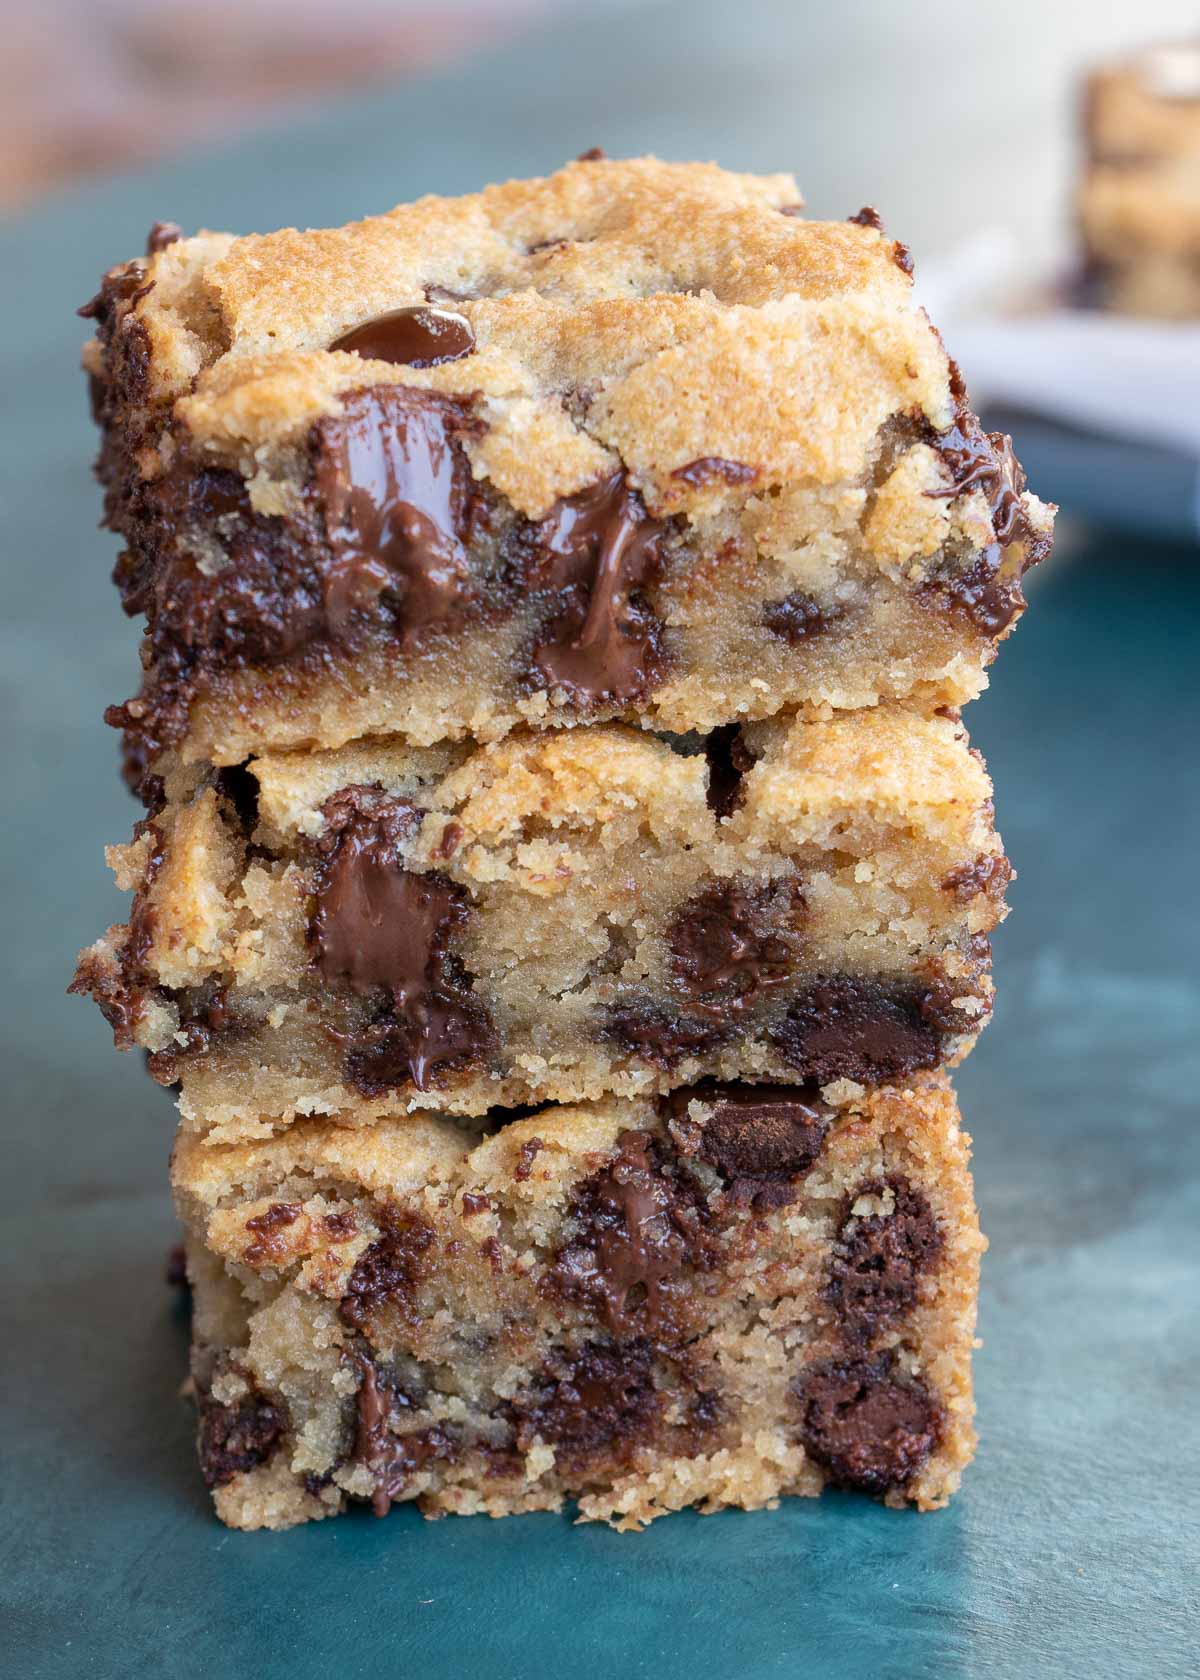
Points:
(380, 925)
(645, 1028)
(596, 550)
(799, 617)
(733, 941)
(762, 1139)
(640, 1226)
(395, 488)
(239, 1437)
(868, 1427)
(598, 1400)
(392, 1459)
(418, 337)
(879, 1259)
(988, 874)
(714, 469)
(264, 1250)
(388, 1272)
(872, 1031)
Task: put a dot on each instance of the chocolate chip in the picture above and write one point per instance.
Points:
(123, 286)
(594, 551)
(530, 1150)
(414, 337)
(714, 469)
(594, 154)
(264, 1250)
(869, 1428)
(728, 760)
(799, 617)
(990, 873)
(659, 1035)
(640, 1225)
(378, 924)
(161, 235)
(239, 1437)
(845, 1027)
(392, 1459)
(987, 593)
(598, 1400)
(734, 941)
(762, 1139)
(395, 486)
(879, 1259)
(473, 1205)
(867, 217)
(388, 1272)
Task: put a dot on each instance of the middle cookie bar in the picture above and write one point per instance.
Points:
(557, 916)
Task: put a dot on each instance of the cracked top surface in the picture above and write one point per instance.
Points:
(636, 312)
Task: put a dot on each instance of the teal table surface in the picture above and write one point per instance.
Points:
(1073, 1547)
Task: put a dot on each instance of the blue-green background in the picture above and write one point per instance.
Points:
(1072, 1550)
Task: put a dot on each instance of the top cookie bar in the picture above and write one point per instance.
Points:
(634, 441)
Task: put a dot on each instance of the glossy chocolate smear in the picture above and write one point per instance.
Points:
(418, 337)
(762, 1139)
(728, 759)
(979, 460)
(733, 941)
(597, 549)
(391, 1457)
(870, 1428)
(380, 925)
(395, 487)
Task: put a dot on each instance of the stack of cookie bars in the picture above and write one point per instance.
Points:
(565, 877)
(1139, 199)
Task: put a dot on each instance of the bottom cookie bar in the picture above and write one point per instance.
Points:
(713, 1299)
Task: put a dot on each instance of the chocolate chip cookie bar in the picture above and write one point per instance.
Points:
(1140, 197)
(557, 915)
(636, 441)
(710, 1299)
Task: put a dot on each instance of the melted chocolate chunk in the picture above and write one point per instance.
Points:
(871, 1031)
(415, 337)
(867, 217)
(879, 1259)
(979, 460)
(264, 1250)
(379, 925)
(598, 1400)
(798, 617)
(988, 593)
(728, 760)
(641, 1225)
(734, 941)
(240, 1437)
(596, 550)
(123, 286)
(870, 1429)
(392, 1459)
(530, 1150)
(988, 874)
(644, 1028)
(396, 490)
(762, 1139)
(714, 469)
(594, 154)
(387, 1273)
(161, 235)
